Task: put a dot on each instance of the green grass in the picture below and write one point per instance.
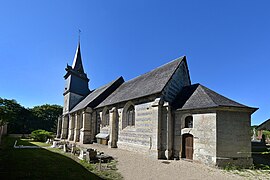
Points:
(30, 142)
(38, 163)
(107, 171)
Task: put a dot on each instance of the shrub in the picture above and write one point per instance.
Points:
(41, 135)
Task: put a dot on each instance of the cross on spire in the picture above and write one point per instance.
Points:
(79, 34)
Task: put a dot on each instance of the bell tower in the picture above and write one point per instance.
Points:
(76, 86)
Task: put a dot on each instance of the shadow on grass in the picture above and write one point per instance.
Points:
(38, 163)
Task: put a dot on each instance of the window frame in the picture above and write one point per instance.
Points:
(188, 122)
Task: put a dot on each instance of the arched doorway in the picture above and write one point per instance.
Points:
(187, 146)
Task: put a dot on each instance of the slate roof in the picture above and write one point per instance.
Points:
(198, 96)
(264, 126)
(147, 84)
(98, 95)
(77, 62)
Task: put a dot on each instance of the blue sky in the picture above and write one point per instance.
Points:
(227, 44)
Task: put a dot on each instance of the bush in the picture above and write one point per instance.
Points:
(41, 135)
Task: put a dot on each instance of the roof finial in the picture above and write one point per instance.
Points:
(79, 33)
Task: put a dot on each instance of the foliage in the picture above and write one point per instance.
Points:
(41, 135)
(46, 116)
(232, 167)
(266, 133)
(10, 110)
(23, 121)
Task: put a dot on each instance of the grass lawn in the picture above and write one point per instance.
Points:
(38, 163)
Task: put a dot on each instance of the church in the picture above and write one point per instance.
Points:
(160, 114)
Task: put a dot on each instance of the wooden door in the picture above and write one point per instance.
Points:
(187, 146)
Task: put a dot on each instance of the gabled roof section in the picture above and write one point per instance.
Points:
(264, 126)
(149, 83)
(198, 96)
(98, 95)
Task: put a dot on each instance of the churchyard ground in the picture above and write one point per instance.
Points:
(45, 163)
(55, 164)
(135, 166)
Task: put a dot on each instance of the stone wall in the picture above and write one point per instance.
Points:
(233, 138)
(204, 136)
(138, 137)
(220, 137)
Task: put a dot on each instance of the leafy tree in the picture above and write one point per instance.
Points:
(21, 120)
(10, 111)
(46, 116)
(22, 123)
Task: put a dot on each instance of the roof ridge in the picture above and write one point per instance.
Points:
(155, 69)
(146, 84)
(102, 89)
(263, 123)
(108, 83)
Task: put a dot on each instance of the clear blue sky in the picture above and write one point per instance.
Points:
(227, 45)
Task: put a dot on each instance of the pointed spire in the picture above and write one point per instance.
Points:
(77, 62)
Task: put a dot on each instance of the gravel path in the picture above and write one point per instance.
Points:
(135, 166)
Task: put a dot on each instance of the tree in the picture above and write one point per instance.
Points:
(21, 120)
(46, 116)
(9, 112)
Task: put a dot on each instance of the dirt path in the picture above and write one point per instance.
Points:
(135, 166)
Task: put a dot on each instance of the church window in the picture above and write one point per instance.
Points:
(130, 116)
(189, 122)
(107, 118)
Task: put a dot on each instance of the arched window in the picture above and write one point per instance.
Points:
(107, 118)
(189, 122)
(130, 116)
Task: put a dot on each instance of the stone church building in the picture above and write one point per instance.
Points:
(160, 113)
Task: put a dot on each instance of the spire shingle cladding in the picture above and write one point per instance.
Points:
(77, 65)
(77, 62)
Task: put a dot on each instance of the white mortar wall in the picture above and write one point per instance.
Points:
(138, 137)
(204, 132)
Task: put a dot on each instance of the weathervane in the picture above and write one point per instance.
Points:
(79, 34)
